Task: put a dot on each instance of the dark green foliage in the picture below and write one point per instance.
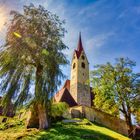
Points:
(57, 109)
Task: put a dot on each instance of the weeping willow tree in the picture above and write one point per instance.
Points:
(31, 57)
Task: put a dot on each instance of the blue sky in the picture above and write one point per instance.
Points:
(110, 28)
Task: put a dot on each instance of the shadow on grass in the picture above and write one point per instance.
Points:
(70, 132)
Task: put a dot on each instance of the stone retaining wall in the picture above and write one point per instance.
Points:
(100, 117)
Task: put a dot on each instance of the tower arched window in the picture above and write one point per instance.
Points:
(74, 65)
(83, 65)
(83, 57)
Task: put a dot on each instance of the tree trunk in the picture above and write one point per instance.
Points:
(128, 120)
(39, 95)
(32, 120)
(129, 126)
(43, 117)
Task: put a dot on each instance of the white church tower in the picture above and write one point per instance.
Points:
(79, 84)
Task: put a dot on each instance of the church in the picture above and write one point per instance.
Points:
(78, 94)
(77, 90)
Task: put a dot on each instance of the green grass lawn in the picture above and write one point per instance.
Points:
(60, 131)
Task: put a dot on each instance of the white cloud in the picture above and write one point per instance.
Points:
(99, 40)
(86, 12)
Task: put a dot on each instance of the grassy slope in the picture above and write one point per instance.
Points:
(61, 131)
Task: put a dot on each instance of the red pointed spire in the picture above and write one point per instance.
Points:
(79, 47)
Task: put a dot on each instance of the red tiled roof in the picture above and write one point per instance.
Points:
(64, 95)
(67, 84)
(59, 94)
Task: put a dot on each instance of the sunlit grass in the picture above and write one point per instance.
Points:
(61, 131)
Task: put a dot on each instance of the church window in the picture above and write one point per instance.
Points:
(73, 65)
(83, 57)
(83, 65)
